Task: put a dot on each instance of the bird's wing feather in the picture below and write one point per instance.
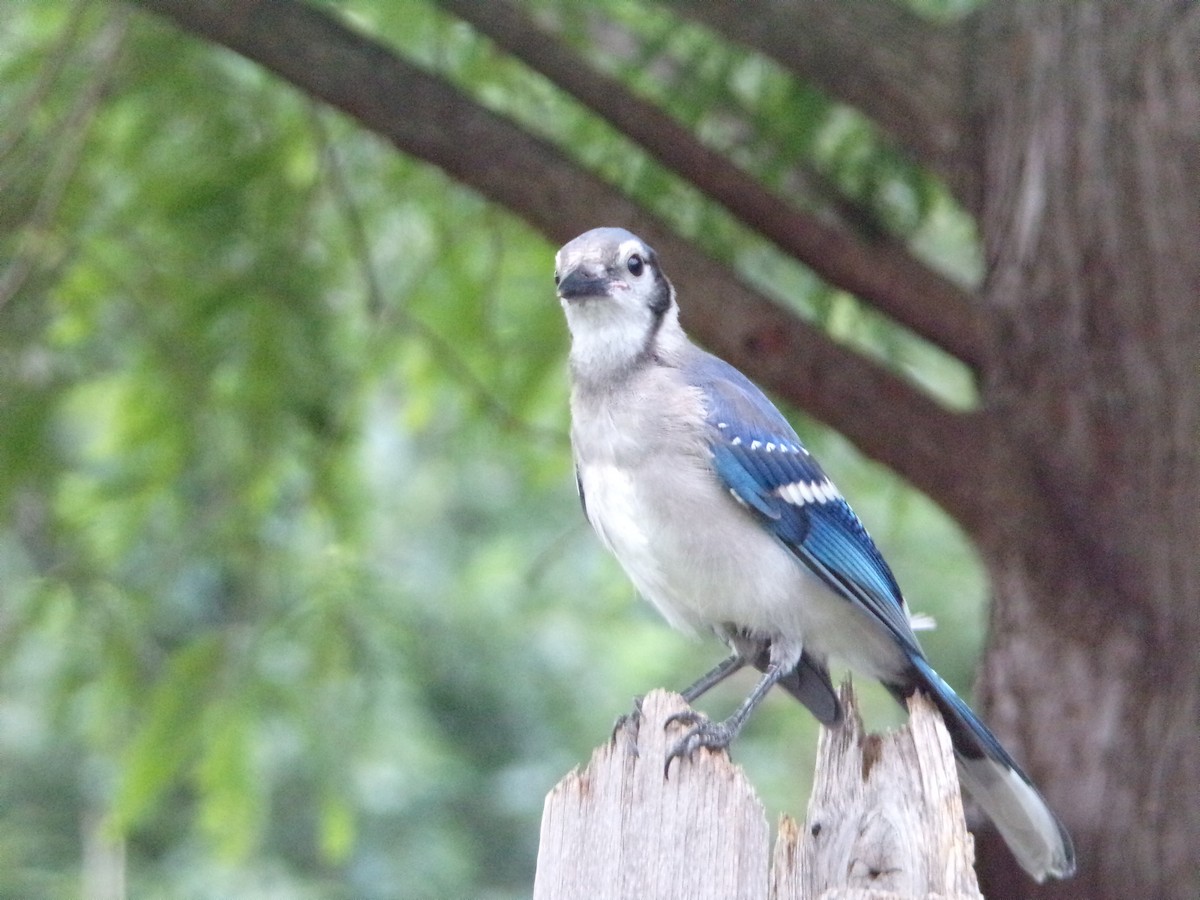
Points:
(762, 462)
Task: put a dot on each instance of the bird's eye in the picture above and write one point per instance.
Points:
(635, 265)
(556, 279)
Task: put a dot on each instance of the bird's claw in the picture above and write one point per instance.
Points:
(629, 723)
(702, 733)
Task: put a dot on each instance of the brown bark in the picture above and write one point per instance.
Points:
(1091, 219)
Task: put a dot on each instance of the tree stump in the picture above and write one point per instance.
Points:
(885, 820)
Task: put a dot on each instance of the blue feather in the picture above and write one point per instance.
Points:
(824, 534)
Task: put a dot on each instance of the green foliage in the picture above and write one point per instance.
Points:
(295, 596)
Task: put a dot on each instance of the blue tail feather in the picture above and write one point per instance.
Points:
(995, 781)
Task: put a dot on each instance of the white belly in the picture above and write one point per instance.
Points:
(704, 563)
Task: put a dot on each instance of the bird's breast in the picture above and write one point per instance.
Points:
(647, 516)
(656, 503)
(613, 507)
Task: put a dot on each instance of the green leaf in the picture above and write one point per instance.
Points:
(232, 807)
(337, 827)
(169, 738)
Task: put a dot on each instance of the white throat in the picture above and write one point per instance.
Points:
(608, 342)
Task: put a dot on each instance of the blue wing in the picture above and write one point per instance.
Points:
(762, 462)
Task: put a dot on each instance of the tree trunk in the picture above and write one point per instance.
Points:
(1091, 218)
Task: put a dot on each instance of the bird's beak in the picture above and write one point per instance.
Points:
(583, 282)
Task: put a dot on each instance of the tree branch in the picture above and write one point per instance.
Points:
(882, 273)
(71, 141)
(430, 119)
(905, 73)
(17, 118)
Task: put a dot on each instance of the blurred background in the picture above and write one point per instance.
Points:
(296, 599)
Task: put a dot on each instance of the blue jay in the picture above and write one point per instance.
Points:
(722, 520)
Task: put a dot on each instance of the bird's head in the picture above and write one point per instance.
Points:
(620, 307)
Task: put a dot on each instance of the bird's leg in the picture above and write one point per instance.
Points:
(715, 676)
(706, 682)
(709, 680)
(735, 662)
(719, 735)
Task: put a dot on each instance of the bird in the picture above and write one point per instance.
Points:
(725, 522)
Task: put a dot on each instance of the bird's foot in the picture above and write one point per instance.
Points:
(628, 724)
(702, 733)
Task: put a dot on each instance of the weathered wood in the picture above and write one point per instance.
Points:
(885, 818)
(885, 821)
(620, 829)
